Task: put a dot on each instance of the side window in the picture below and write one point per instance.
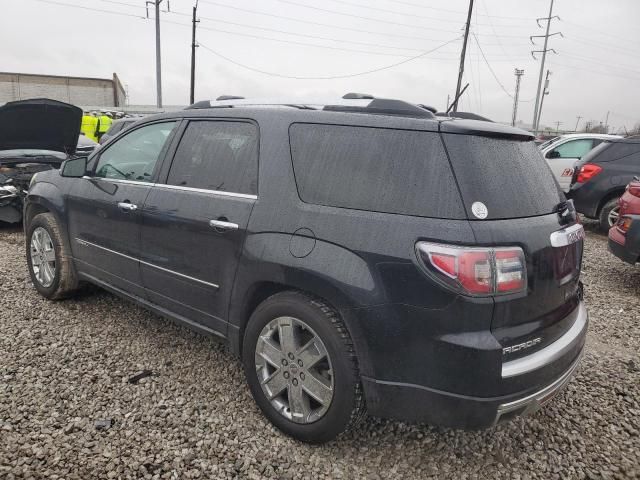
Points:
(573, 149)
(374, 169)
(217, 155)
(133, 156)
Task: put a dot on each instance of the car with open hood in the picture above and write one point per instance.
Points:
(35, 135)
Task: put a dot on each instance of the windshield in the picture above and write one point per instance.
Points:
(27, 152)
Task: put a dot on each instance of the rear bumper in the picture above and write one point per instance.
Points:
(419, 403)
(626, 246)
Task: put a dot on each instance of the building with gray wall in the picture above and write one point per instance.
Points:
(97, 92)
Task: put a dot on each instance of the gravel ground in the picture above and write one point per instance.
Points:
(65, 366)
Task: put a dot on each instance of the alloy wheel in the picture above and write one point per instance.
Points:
(612, 218)
(294, 370)
(43, 257)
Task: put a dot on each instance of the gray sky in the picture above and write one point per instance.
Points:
(597, 68)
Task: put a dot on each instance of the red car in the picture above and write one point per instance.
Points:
(624, 236)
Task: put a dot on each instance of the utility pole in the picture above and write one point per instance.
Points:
(578, 117)
(545, 91)
(558, 123)
(544, 56)
(519, 74)
(156, 4)
(606, 123)
(194, 21)
(462, 55)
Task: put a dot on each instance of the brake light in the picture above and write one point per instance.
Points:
(587, 172)
(475, 271)
(624, 224)
(634, 189)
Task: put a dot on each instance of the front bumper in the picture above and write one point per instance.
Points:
(419, 403)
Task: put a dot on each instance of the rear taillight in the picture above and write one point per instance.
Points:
(624, 224)
(587, 172)
(634, 189)
(475, 271)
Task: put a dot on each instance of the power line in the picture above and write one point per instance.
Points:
(598, 72)
(333, 77)
(396, 12)
(454, 11)
(389, 22)
(489, 66)
(318, 37)
(93, 9)
(601, 32)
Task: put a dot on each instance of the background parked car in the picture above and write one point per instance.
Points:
(118, 126)
(563, 152)
(601, 176)
(35, 136)
(624, 236)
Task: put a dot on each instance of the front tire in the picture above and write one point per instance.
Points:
(301, 368)
(49, 260)
(609, 214)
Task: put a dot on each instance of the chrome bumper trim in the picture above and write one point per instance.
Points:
(533, 402)
(549, 353)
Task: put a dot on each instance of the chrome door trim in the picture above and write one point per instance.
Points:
(182, 275)
(551, 352)
(204, 190)
(175, 187)
(129, 207)
(118, 180)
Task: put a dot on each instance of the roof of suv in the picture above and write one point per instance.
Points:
(398, 113)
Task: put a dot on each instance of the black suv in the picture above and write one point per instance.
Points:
(601, 176)
(362, 255)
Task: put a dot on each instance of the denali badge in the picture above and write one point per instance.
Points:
(521, 346)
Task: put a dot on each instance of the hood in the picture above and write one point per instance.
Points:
(40, 124)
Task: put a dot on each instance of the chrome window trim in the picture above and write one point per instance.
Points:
(205, 190)
(182, 275)
(118, 180)
(549, 353)
(175, 187)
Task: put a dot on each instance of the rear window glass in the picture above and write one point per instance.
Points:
(374, 169)
(510, 177)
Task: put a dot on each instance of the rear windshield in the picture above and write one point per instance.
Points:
(374, 169)
(509, 177)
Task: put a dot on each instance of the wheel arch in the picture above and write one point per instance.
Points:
(611, 194)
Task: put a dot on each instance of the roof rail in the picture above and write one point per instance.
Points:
(464, 115)
(385, 106)
(228, 97)
(357, 96)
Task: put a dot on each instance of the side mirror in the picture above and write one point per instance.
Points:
(74, 168)
(553, 154)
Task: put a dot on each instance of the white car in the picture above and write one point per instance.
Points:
(563, 152)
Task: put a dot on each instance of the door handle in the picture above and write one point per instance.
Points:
(223, 224)
(127, 206)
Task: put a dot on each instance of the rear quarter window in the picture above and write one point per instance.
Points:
(510, 177)
(374, 169)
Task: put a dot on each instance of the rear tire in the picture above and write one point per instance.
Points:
(608, 214)
(311, 394)
(49, 259)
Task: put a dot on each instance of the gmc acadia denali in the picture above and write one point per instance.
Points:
(365, 255)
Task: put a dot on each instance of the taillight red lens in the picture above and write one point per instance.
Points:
(587, 172)
(476, 271)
